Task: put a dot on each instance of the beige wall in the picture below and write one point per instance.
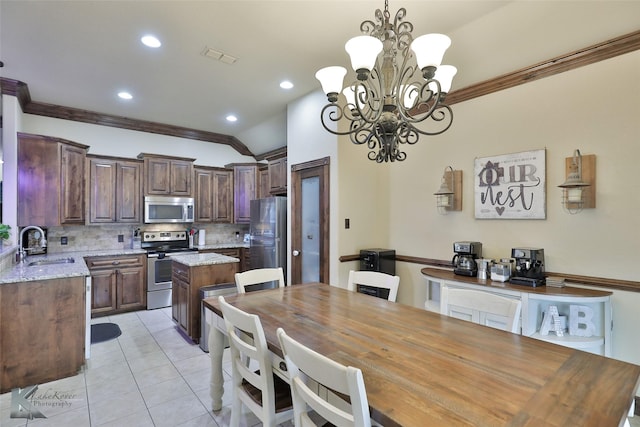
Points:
(594, 108)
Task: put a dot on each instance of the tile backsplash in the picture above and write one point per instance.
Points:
(105, 237)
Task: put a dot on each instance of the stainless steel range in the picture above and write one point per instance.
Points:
(160, 247)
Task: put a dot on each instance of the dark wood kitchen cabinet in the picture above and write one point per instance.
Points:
(42, 331)
(263, 182)
(51, 173)
(117, 284)
(167, 176)
(278, 176)
(115, 190)
(245, 187)
(213, 194)
(186, 283)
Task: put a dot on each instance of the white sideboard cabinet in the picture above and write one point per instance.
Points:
(535, 303)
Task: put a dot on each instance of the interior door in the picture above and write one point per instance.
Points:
(310, 222)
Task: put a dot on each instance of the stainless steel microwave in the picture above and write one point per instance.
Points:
(159, 209)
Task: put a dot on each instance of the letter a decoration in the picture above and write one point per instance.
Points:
(511, 186)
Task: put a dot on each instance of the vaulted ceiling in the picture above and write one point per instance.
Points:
(81, 53)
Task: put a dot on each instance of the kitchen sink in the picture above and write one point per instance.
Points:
(52, 261)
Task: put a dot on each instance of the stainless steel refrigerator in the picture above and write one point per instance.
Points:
(268, 233)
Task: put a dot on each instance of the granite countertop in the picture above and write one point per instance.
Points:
(196, 260)
(24, 272)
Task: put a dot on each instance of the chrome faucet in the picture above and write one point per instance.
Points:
(22, 253)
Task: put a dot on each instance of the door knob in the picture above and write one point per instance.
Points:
(296, 253)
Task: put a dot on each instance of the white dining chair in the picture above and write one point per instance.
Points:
(253, 278)
(267, 395)
(484, 308)
(311, 372)
(374, 279)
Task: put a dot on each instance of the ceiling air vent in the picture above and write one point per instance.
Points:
(218, 55)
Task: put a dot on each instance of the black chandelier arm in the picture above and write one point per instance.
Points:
(368, 27)
(368, 100)
(403, 30)
(332, 112)
(407, 134)
(442, 116)
(428, 101)
(388, 148)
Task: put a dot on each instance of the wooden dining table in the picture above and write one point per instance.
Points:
(424, 369)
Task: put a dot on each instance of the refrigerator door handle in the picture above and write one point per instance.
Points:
(296, 253)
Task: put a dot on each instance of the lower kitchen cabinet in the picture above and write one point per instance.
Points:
(186, 283)
(117, 284)
(42, 331)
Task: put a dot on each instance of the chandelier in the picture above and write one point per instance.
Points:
(391, 92)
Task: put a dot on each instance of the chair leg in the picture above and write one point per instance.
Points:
(236, 410)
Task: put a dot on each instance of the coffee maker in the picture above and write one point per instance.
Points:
(529, 267)
(464, 261)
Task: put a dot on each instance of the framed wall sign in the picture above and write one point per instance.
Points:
(511, 186)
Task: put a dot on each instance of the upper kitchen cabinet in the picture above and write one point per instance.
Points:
(115, 188)
(245, 187)
(167, 176)
(51, 175)
(263, 182)
(278, 176)
(213, 194)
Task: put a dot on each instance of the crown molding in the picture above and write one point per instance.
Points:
(570, 61)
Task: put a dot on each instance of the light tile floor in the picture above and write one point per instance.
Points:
(150, 376)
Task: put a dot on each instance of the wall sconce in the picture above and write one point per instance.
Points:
(578, 191)
(449, 195)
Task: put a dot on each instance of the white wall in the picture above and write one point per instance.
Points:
(306, 141)
(110, 141)
(11, 124)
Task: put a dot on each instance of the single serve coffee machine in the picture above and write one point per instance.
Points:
(464, 261)
(529, 267)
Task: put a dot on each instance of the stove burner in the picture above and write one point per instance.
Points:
(164, 242)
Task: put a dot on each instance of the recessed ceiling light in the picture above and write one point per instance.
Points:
(151, 41)
(125, 95)
(232, 118)
(286, 84)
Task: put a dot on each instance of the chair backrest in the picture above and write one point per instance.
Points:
(374, 279)
(304, 364)
(480, 307)
(248, 345)
(259, 276)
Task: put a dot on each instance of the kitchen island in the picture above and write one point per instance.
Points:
(44, 317)
(190, 273)
(42, 321)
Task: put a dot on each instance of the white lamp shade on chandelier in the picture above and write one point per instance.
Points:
(445, 74)
(430, 49)
(331, 79)
(399, 83)
(363, 51)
